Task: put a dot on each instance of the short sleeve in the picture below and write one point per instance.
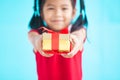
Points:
(34, 30)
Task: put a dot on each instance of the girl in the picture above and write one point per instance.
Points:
(57, 15)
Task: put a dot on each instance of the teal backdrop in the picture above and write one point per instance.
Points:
(101, 56)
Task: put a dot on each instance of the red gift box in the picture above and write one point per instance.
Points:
(56, 42)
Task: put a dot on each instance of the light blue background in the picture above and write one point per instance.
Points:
(101, 52)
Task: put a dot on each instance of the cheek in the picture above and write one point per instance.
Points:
(46, 17)
(68, 13)
(68, 17)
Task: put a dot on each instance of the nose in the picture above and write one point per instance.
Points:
(58, 12)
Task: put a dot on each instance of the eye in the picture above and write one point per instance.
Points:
(64, 8)
(51, 8)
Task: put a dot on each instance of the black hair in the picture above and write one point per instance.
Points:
(37, 21)
(42, 2)
(82, 19)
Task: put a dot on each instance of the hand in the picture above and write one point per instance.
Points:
(38, 46)
(77, 45)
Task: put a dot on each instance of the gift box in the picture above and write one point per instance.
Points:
(56, 42)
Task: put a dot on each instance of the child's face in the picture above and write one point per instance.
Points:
(58, 13)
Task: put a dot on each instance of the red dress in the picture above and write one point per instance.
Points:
(58, 67)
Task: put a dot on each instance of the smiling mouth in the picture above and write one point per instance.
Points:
(57, 21)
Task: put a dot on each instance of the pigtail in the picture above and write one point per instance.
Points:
(36, 20)
(83, 13)
(82, 19)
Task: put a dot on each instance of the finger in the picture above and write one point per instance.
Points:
(38, 41)
(76, 45)
(45, 55)
(39, 47)
(66, 56)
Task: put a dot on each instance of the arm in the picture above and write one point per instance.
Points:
(36, 39)
(81, 36)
